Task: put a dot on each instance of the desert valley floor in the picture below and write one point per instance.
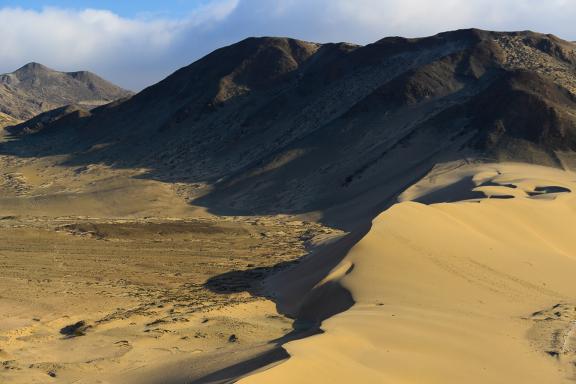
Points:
(92, 298)
(96, 298)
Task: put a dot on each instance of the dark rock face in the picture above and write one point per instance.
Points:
(55, 118)
(278, 125)
(35, 88)
(523, 105)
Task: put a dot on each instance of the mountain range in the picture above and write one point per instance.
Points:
(277, 125)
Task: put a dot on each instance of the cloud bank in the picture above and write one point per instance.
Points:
(135, 52)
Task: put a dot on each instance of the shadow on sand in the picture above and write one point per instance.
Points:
(294, 288)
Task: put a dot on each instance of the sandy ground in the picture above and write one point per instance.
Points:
(466, 289)
(109, 278)
(94, 301)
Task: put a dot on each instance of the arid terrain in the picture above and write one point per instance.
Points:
(103, 298)
(107, 278)
(283, 211)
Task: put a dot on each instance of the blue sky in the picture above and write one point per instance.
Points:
(136, 43)
(125, 8)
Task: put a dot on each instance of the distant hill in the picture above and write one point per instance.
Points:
(273, 125)
(35, 88)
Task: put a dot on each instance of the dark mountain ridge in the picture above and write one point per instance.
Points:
(273, 125)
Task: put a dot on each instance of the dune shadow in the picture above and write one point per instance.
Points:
(544, 190)
(234, 372)
(245, 280)
(316, 301)
(458, 191)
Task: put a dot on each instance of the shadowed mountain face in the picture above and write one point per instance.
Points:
(35, 88)
(272, 125)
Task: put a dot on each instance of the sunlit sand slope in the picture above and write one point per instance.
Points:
(480, 290)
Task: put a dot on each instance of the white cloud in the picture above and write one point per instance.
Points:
(139, 51)
(70, 36)
(97, 39)
(368, 20)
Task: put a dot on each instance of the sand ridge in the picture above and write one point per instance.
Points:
(464, 291)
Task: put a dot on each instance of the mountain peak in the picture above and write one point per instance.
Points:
(33, 67)
(35, 88)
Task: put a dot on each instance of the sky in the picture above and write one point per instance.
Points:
(136, 43)
(124, 8)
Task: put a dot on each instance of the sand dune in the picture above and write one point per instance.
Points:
(472, 291)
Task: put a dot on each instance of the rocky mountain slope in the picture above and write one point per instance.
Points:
(35, 88)
(276, 125)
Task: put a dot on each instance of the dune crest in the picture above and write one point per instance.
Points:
(477, 290)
